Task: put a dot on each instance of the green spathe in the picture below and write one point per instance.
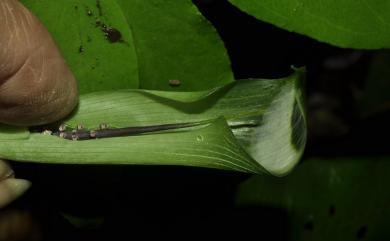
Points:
(255, 126)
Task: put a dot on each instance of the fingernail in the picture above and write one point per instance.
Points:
(11, 189)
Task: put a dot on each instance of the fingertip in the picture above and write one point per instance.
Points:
(36, 85)
(11, 189)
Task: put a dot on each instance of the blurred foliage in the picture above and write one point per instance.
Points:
(375, 95)
(328, 199)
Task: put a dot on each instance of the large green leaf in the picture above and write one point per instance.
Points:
(328, 198)
(345, 23)
(175, 42)
(265, 129)
(96, 63)
(117, 44)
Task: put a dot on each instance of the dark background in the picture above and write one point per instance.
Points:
(181, 202)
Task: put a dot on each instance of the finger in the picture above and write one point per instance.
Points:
(36, 86)
(19, 225)
(11, 189)
(5, 170)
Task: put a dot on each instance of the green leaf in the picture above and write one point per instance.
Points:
(175, 42)
(328, 198)
(348, 23)
(265, 129)
(152, 42)
(96, 63)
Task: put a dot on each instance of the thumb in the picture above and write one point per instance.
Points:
(36, 86)
(10, 187)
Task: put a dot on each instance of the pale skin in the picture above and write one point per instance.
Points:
(36, 85)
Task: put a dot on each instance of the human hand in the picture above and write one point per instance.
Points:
(36, 86)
